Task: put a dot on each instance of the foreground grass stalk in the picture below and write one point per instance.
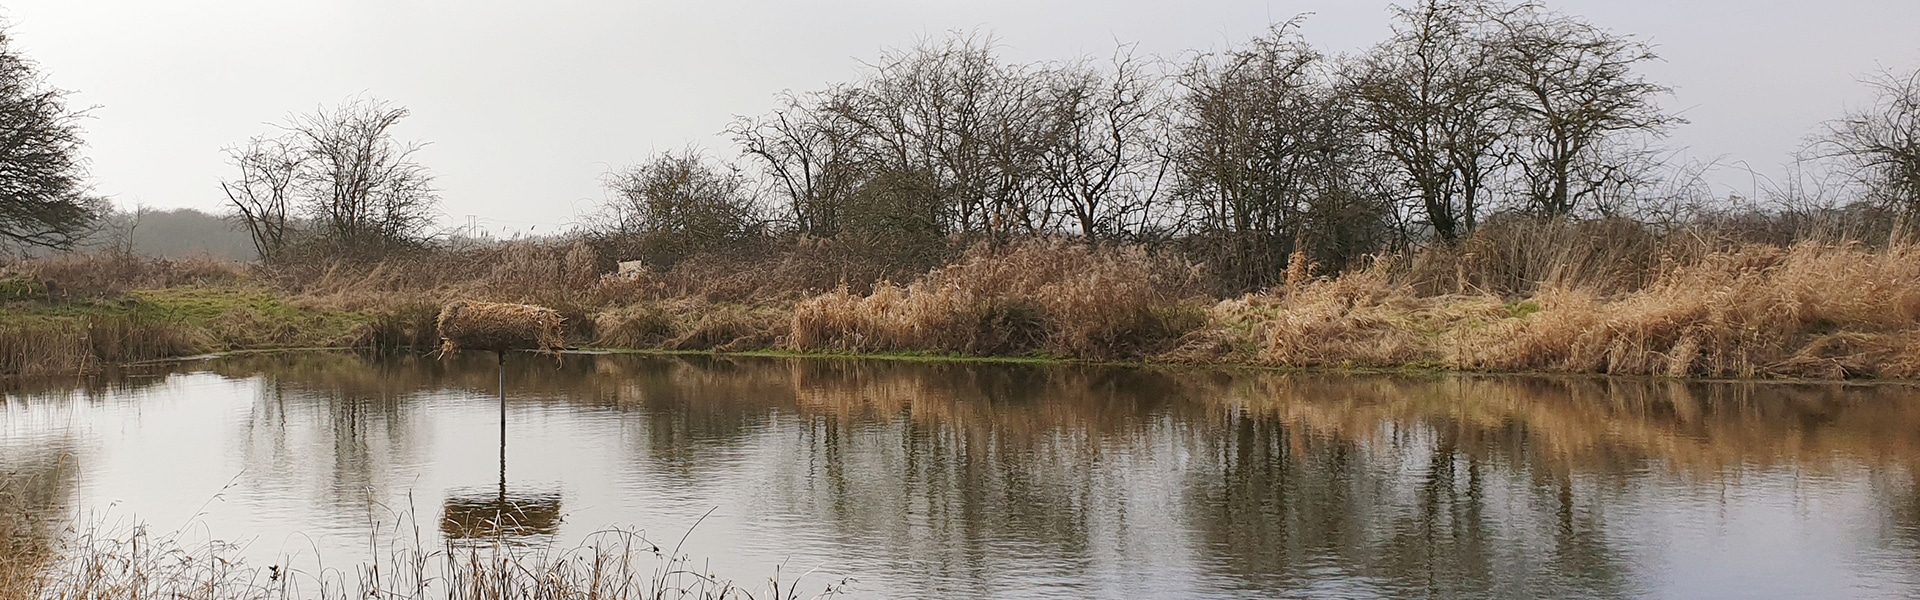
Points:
(134, 564)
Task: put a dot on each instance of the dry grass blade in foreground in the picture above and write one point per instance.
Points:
(134, 564)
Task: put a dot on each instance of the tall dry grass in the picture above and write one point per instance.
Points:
(1358, 319)
(132, 563)
(1812, 310)
(1037, 296)
(692, 324)
(1602, 296)
(70, 347)
(91, 276)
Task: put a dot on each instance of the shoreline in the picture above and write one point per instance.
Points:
(1807, 312)
(1403, 372)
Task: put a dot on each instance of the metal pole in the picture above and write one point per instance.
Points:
(502, 425)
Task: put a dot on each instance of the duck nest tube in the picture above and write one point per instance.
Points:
(470, 325)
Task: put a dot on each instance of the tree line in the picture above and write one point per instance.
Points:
(1468, 113)
(1470, 110)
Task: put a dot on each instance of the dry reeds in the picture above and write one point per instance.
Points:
(1603, 296)
(1812, 310)
(471, 325)
(1808, 311)
(1047, 296)
(71, 347)
(691, 324)
(1358, 319)
(132, 563)
(87, 276)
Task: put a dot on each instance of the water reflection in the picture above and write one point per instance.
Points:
(497, 516)
(1006, 480)
(489, 516)
(36, 485)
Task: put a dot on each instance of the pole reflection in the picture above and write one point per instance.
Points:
(480, 516)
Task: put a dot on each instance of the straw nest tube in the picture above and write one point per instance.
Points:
(470, 325)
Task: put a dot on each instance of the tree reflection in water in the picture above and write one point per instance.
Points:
(957, 477)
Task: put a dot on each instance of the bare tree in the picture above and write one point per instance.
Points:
(43, 195)
(1430, 96)
(364, 188)
(677, 205)
(341, 172)
(959, 121)
(1101, 156)
(811, 153)
(1269, 153)
(1240, 144)
(1571, 86)
(1880, 144)
(261, 197)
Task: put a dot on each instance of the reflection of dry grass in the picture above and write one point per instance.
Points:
(1034, 423)
(1584, 421)
(1593, 423)
(34, 488)
(1614, 424)
(1013, 401)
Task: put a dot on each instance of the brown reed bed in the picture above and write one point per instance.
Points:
(1044, 296)
(1606, 297)
(1814, 311)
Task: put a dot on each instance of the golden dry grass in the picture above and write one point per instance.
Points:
(691, 324)
(1809, 311)
(1596, 297)
(86, 276)
(1812, 310)
(77, 346)
(1037, 296)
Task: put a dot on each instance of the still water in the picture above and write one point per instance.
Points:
(975, 481)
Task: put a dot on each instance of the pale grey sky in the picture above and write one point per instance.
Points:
(527, 104)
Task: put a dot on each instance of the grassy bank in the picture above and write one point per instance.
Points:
(1531, 302)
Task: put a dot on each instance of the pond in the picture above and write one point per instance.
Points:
(975, 480)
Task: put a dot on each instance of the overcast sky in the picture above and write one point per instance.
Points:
(527, 104)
